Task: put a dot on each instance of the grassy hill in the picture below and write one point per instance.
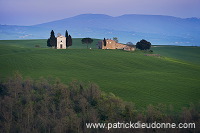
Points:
(169, 79)
(189, 54)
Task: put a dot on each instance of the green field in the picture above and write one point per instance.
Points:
(172, 79)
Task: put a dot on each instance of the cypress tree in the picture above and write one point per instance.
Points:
(53, 40)
(48, 42)
(66, 35)
(104, 41)
(69, 41)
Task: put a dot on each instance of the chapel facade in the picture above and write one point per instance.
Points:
(61, 42)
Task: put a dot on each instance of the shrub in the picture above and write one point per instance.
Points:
(37, 46)
(143, 45)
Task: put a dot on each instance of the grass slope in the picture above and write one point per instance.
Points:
(130, 75)
(188, 54)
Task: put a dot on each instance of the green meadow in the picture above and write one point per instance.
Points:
(171, 79)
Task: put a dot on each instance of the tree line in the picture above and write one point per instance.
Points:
(47, 105)
(52, 41)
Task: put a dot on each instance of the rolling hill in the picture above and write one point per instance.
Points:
(171, 79)
(155, 28)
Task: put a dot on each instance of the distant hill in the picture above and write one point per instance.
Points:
(155, 28)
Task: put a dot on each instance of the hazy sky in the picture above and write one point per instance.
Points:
(30, 12)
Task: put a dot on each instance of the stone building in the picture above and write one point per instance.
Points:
(129, 48)
(61, 42)
(111, 44)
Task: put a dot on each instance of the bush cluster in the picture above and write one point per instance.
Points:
(143, 45)
(47, 105)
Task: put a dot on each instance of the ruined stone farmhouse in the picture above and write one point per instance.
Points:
(111, 44)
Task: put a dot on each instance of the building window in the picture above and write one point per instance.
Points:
(61, 40)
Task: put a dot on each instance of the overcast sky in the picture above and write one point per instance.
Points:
(30, 12)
